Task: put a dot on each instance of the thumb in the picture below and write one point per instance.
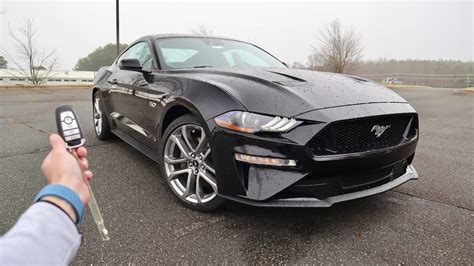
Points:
(57, 143)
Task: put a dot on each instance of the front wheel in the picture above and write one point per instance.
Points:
(101, 125)
(187, 165)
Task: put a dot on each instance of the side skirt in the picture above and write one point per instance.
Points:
(137, 145)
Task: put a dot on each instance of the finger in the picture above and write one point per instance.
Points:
(88, 175)
(74, 153)
(81, 152)
(57, 143)
(84, 164)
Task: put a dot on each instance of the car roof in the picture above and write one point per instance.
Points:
(178, 35)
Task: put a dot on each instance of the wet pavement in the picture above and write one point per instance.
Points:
(425, 221)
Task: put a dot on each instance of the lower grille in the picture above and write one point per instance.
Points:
(360, 135)
(323, 187)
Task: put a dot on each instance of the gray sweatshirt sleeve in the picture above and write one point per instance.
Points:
(44, 234)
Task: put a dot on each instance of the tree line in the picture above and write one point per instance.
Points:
(383, 65)
(102, 56)
(339, 50)
(415, 66)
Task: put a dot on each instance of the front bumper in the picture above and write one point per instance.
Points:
(315, 181)
(327, 202)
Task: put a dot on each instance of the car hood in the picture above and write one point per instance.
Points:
(290, 92)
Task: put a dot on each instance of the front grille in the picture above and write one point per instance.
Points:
(358, 135)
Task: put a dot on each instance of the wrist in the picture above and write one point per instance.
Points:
(66, 194)
(64, 205)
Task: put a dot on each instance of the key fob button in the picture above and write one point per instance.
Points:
(73, 137)
(71, 132)
(68, 120)
(65, 114)
(69, 126)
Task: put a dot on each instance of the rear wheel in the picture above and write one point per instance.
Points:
(187, 164)
(101, 124)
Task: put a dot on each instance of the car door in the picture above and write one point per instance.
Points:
(129, 92)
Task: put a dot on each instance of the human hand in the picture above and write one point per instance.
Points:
(64, 168)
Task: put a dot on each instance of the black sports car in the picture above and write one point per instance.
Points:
(227, 120)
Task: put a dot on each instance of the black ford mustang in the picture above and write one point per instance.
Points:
(226, 120)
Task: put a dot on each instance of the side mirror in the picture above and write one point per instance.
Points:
(131, 64)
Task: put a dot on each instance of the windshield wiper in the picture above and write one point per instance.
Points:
(201, 66)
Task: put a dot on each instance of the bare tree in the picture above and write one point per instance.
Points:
(340, 50)
(298, 65)
(201, 30)
(315, 62)
(31, 62)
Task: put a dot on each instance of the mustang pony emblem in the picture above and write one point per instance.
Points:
(379, 130)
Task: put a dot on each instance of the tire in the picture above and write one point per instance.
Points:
(186, 163)
(101, 124)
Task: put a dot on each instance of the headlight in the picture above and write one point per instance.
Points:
(251, 123)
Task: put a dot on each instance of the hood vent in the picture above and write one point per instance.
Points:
(289, 83)
(287, 76)
(358, 79)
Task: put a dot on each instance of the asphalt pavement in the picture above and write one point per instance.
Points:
(425, 221)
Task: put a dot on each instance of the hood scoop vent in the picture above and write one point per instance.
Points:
(287, 76)
(358, 79)
(289, 83)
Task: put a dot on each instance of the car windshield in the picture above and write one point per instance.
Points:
(195, 52)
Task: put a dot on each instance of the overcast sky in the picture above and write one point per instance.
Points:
(400, 30)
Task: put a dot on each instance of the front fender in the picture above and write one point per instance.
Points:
(205, 101)
(209, 99)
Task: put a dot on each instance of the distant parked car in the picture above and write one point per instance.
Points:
(392, 81)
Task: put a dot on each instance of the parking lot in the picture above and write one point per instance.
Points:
(425, 221)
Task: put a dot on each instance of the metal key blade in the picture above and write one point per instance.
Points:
(99, 221)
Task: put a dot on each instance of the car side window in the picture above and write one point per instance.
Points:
(140, 51)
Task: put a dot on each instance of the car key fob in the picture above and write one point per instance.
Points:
(68, 127)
